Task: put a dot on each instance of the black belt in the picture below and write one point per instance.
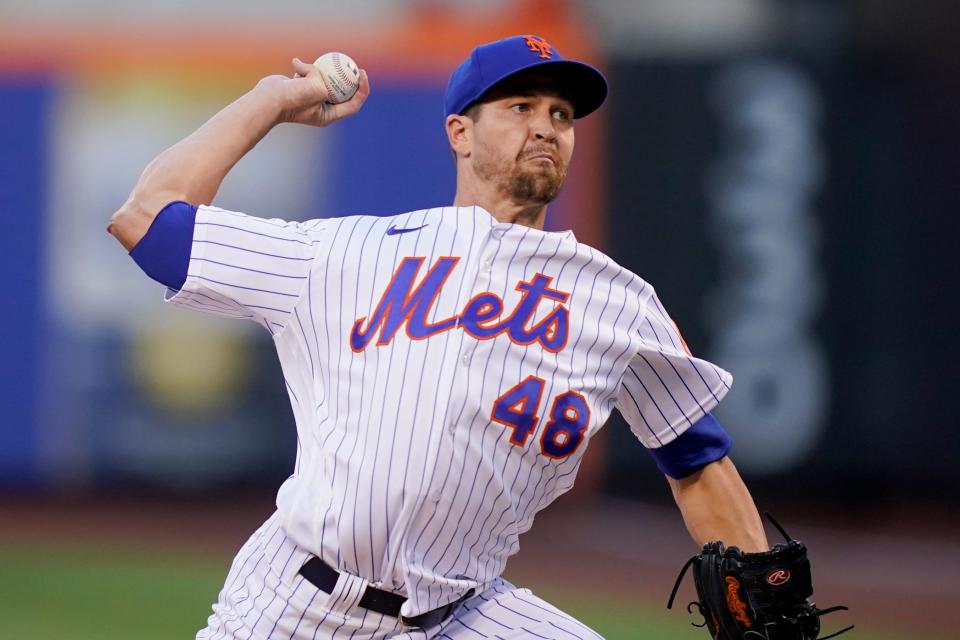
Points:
(325, 577)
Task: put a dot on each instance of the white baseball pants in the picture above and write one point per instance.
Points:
(265, 597)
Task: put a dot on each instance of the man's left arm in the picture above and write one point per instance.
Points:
(666, 395)
(716, 505)
(740, 592)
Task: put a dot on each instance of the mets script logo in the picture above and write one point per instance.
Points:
(402, 304)
(737, 607)
(778, 577)
(539, 45)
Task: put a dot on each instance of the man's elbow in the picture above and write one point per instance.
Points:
(125, 224)
(131, 221)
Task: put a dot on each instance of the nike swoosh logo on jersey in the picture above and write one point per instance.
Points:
(393, 230)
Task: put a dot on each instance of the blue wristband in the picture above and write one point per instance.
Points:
(164, 252)
(695, 448)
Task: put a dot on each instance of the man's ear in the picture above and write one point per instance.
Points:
(460, 134)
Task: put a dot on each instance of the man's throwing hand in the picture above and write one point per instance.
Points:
(304, 97)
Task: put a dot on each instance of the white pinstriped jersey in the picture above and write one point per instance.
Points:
(446, 372)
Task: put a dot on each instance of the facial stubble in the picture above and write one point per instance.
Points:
(523, 184)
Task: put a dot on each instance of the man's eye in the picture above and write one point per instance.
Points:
(561, 114)
(519, 108)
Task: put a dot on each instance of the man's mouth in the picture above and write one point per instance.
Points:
(541, 157)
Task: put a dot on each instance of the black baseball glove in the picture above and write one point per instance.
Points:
(755, 596)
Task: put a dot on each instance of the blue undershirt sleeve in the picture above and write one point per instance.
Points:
(164, 252)
(703, 443)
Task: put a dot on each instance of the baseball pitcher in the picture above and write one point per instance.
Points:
(447, 368)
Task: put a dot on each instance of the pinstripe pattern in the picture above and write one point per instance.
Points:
(402, 478)
(264, 597)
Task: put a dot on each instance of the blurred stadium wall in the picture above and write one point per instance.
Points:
(783, 172)
(106, 387)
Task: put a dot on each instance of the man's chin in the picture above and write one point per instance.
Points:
(540, 186)
(549, 180)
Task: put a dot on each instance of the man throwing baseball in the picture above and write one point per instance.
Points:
(446, 367)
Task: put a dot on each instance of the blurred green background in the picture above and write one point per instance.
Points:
(122, 566)
(88, 593)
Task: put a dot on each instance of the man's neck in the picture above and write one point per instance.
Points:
(503, 209)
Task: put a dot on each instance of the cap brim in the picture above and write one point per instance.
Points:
(585, 87)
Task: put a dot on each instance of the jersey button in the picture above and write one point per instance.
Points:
(465, 359)
(486, 266)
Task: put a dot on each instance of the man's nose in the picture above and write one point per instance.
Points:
(543, 127)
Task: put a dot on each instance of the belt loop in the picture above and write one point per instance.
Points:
(346, 594)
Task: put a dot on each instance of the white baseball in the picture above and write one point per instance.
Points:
(341, 75)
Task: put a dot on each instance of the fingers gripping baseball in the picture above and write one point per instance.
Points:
(308, 98)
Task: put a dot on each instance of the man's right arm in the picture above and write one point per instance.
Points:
(193, 169)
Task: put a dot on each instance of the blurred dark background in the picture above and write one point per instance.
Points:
(805, 195)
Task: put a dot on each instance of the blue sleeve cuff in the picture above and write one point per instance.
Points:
(698, 446)
(164, 252)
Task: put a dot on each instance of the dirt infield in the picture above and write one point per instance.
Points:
(895, 572)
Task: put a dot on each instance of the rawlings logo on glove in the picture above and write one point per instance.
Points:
(755, 596)
(737, 607)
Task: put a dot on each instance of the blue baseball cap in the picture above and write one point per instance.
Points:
(491, 63)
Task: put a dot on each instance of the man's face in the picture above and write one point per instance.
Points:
(523, 139)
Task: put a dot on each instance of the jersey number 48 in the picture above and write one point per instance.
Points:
(517, 408)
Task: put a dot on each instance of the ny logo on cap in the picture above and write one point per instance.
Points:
(539, 45)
